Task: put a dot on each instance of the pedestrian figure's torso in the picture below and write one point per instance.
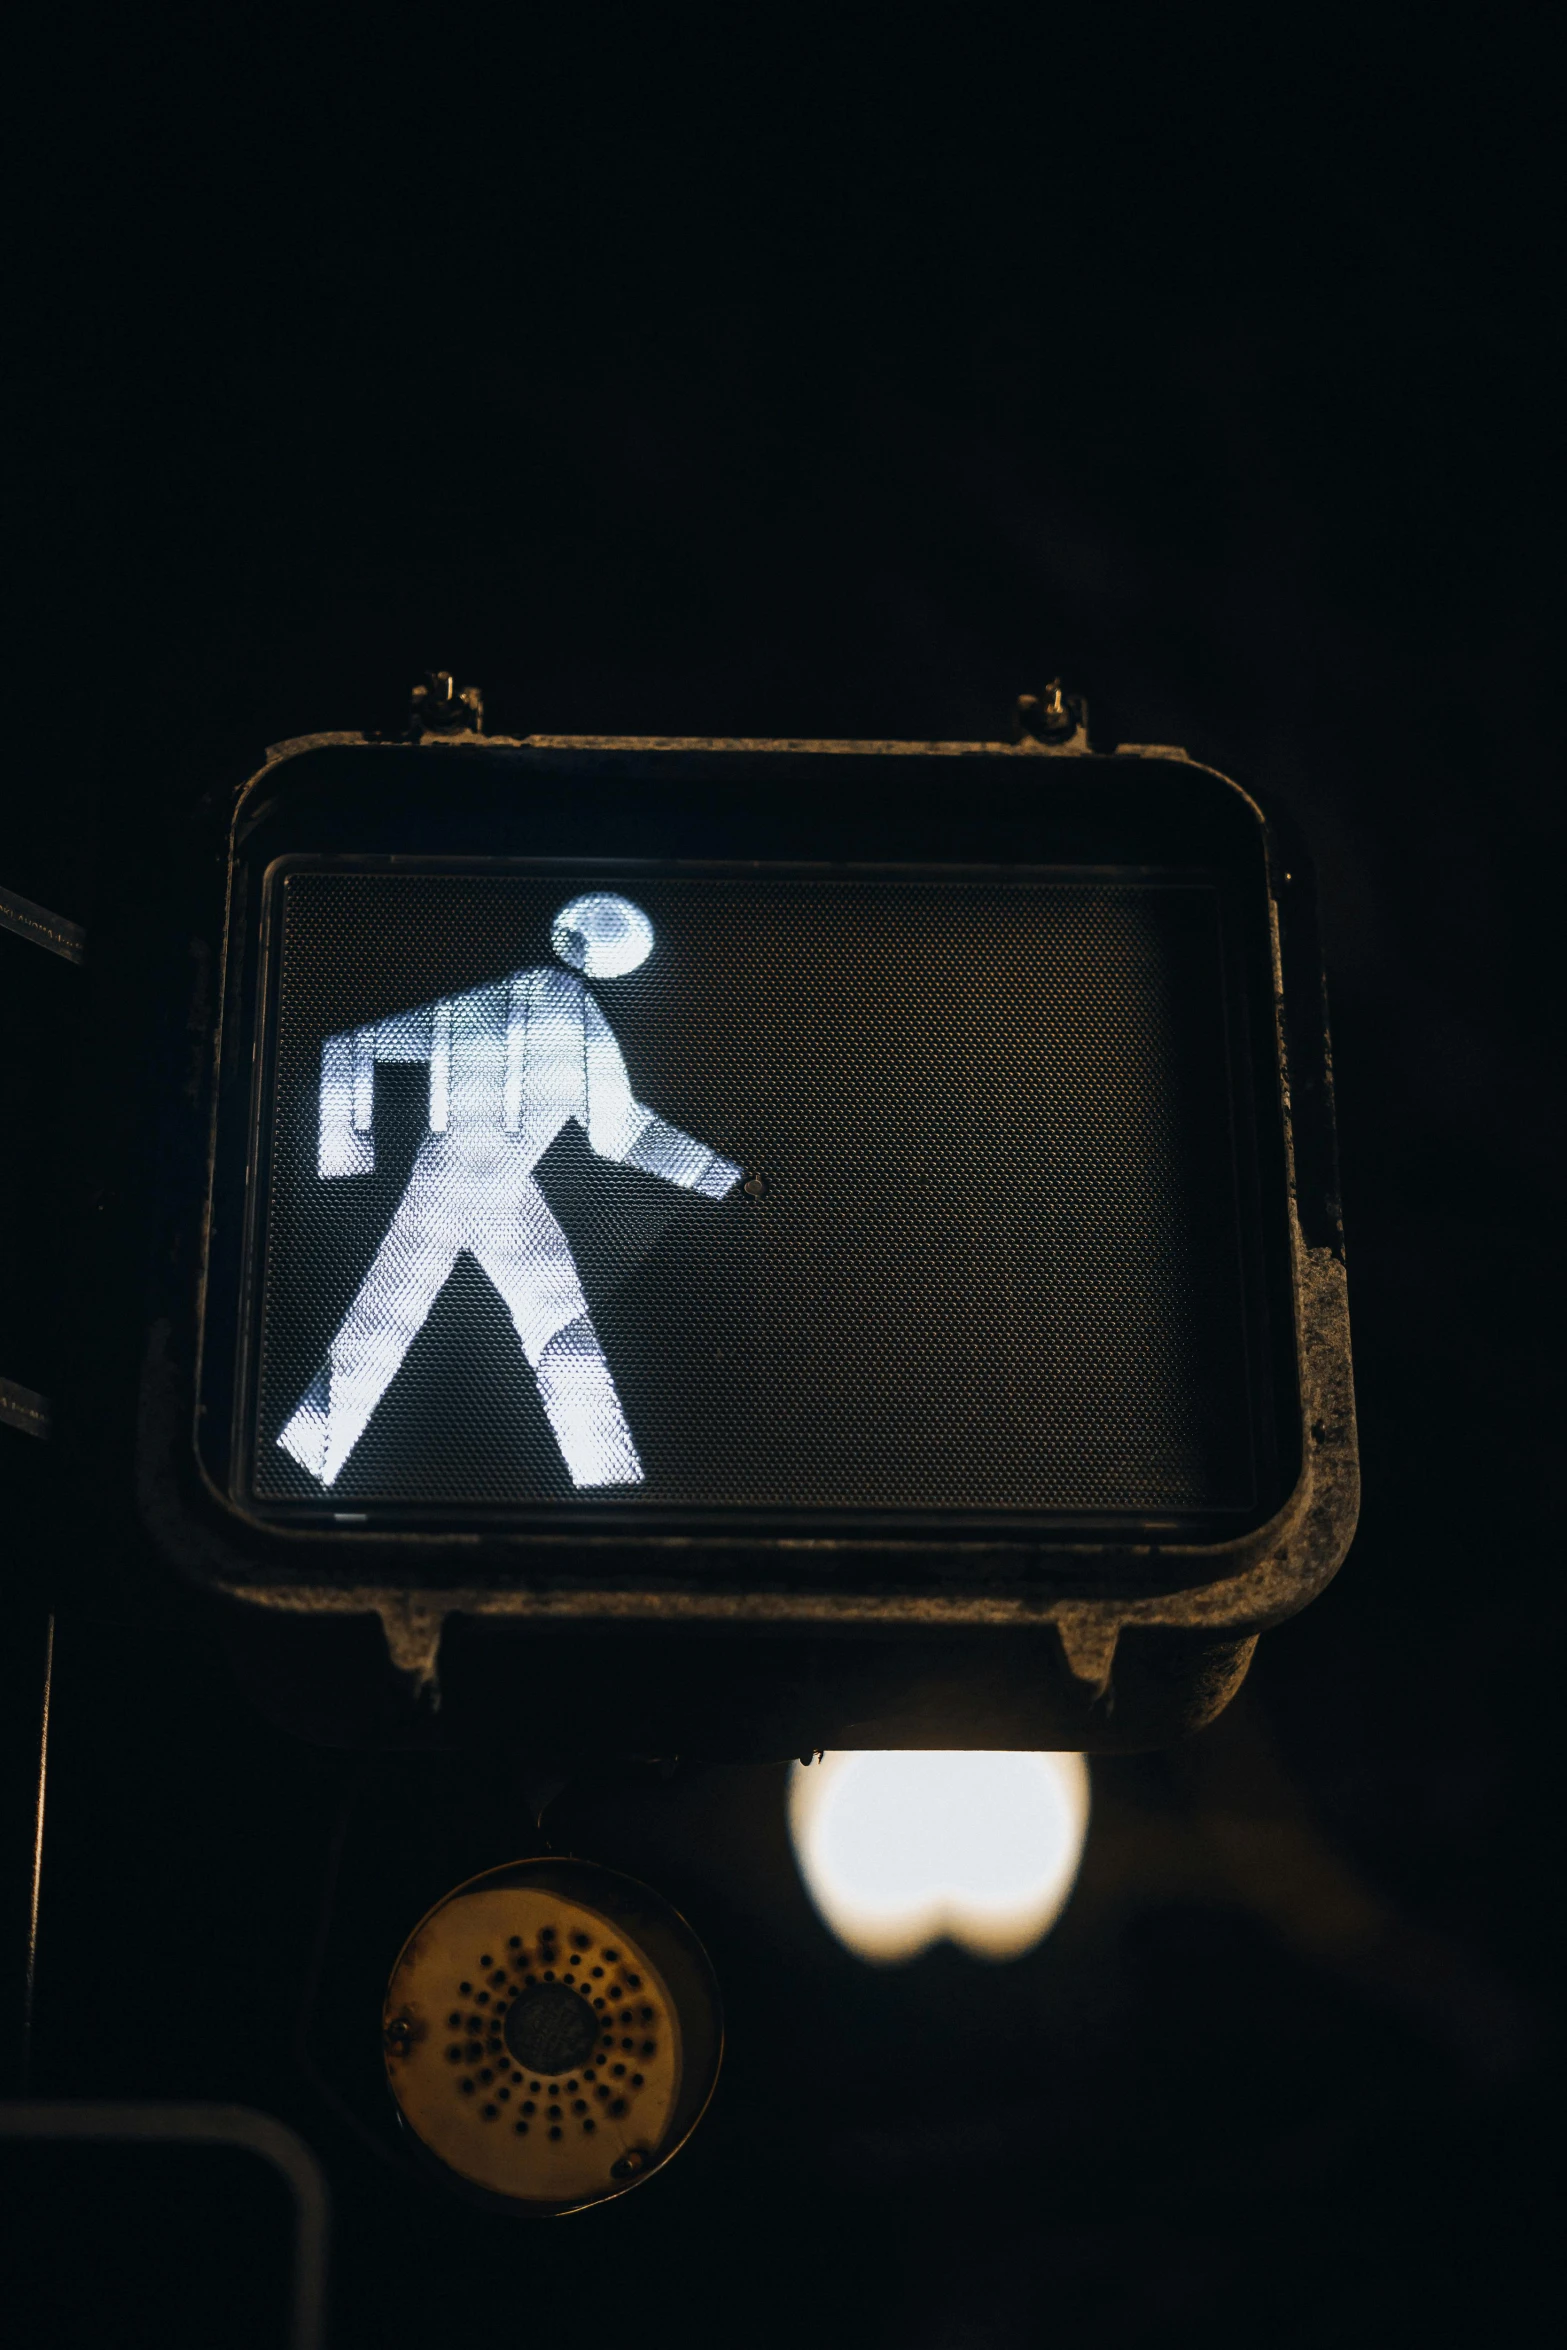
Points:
(516, 1058)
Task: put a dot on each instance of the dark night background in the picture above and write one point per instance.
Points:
(794, 372)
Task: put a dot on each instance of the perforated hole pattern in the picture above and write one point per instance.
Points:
(556, 2039)
(994, 1263)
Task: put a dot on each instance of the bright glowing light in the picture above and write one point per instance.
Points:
(510, 1064)
(903, 1849)
(579, 1397)
(604, 935)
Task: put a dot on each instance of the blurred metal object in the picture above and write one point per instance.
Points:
(552, 2035)
(234, 2126)
(35, 1884)
(42, 927)
(24, 1409)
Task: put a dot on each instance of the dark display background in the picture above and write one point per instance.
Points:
(998, 1262)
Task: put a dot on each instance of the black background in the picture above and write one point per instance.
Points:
(846, 382)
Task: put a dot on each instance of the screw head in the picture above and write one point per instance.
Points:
(1046, 717)
(439, 706)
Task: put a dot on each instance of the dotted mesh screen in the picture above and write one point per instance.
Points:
(994, 1263)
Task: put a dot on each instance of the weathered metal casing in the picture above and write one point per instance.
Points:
(745, 1638)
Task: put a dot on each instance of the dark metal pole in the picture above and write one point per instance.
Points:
(35, 1883)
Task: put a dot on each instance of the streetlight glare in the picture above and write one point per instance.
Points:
(900, 1850)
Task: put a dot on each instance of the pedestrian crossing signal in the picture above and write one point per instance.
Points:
(510, 1063)
(765, 1186)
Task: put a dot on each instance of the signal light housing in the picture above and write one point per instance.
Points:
(748, 1247)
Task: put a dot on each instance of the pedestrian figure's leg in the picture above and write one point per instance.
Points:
(529, 1259)
(410, 1269)
(579, 1395)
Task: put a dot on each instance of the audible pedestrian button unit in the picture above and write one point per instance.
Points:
(551, 2035)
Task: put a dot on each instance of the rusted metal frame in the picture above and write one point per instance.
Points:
(1252, 1581)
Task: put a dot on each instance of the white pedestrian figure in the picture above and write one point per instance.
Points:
(510, 1063)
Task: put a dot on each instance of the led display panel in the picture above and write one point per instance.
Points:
(716, 1191)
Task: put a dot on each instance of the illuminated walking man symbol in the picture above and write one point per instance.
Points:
(510, 1064)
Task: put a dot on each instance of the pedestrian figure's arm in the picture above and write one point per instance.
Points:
(347, 1142)
(622, 1128)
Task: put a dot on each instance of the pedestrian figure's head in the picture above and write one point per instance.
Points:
(602, 935)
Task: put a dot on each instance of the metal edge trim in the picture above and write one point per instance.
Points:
(239, 2126)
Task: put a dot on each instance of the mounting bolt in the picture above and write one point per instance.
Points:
(439, 708)
(1050, 717)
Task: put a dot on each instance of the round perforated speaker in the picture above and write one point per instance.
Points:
(552, 2034)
